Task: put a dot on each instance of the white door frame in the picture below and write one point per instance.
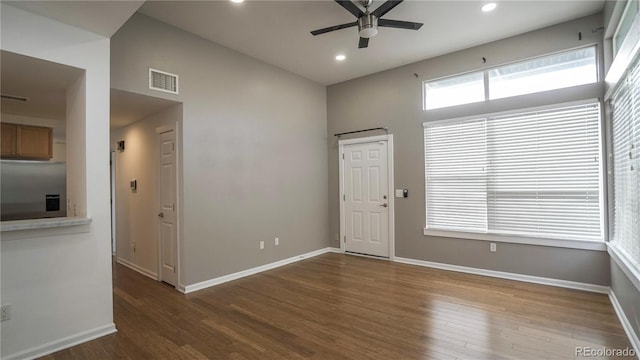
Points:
(159, 130)
(341, 144)
(112, 163)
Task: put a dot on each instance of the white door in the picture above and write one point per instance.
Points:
(366, 198)
(167, 215)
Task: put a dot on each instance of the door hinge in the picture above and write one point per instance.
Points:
(344, 197)
(342, 155)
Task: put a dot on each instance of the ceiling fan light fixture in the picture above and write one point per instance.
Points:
(368, 32)
(368, 26)
(367, 21)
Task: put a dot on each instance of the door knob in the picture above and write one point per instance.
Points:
(384, 205)
(161, 215)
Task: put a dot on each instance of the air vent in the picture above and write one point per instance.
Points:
(163, 81)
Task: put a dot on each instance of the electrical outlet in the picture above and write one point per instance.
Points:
(133, 246)
(277, 241)
(492, 247)
(5, 312)
(261, 245)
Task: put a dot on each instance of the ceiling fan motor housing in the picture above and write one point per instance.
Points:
(368, 25)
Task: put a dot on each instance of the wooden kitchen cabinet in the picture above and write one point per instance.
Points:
(9, 140)
(26, 142)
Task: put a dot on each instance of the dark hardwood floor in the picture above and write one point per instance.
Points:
(346, 307)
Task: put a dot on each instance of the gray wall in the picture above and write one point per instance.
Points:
(394, 99)
(254, 148)
(627, 295)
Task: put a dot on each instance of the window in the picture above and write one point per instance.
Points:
(628, 16)
(533, 174)
(457, 90)
(566, 69)
(571, 68)
(625, 104)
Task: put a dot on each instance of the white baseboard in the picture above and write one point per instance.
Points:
(240, 274)
(626, 325)
(63, 343)
(505, 275)
(137, 268)
(335, 250)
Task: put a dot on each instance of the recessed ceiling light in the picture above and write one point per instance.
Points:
(237, 1)
(488, 7)
(340, 57)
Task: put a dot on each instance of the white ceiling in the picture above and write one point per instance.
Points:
(277, 32)
(100, 17)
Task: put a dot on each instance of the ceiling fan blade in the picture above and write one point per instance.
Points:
(364, 42)
(351, 7)
(399, 24)
(385, 8)
(334, 28)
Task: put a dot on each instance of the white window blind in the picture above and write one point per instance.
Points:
(626, 162)
(534, 173)
(455, 157)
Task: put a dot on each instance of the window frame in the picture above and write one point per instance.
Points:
(625, 260)
(627, 52)
(598, 245)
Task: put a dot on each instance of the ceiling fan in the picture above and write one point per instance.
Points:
(368, 22)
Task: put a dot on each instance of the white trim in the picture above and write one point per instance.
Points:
(364, 140)
(514, 111)
(64, 343)
(569, 244)
(390, 183)
(258, 269)
(112, 200)
(392, 198)
(628, 50)
(335, 250)
(138, 268)
(506, 275)
(626, 324)
(632, 272)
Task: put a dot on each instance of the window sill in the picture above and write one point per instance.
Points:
(19, 229)
(569, 244)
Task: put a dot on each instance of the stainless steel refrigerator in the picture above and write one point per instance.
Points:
(32, 189)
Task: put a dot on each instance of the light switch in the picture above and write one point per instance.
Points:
(399, 193)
